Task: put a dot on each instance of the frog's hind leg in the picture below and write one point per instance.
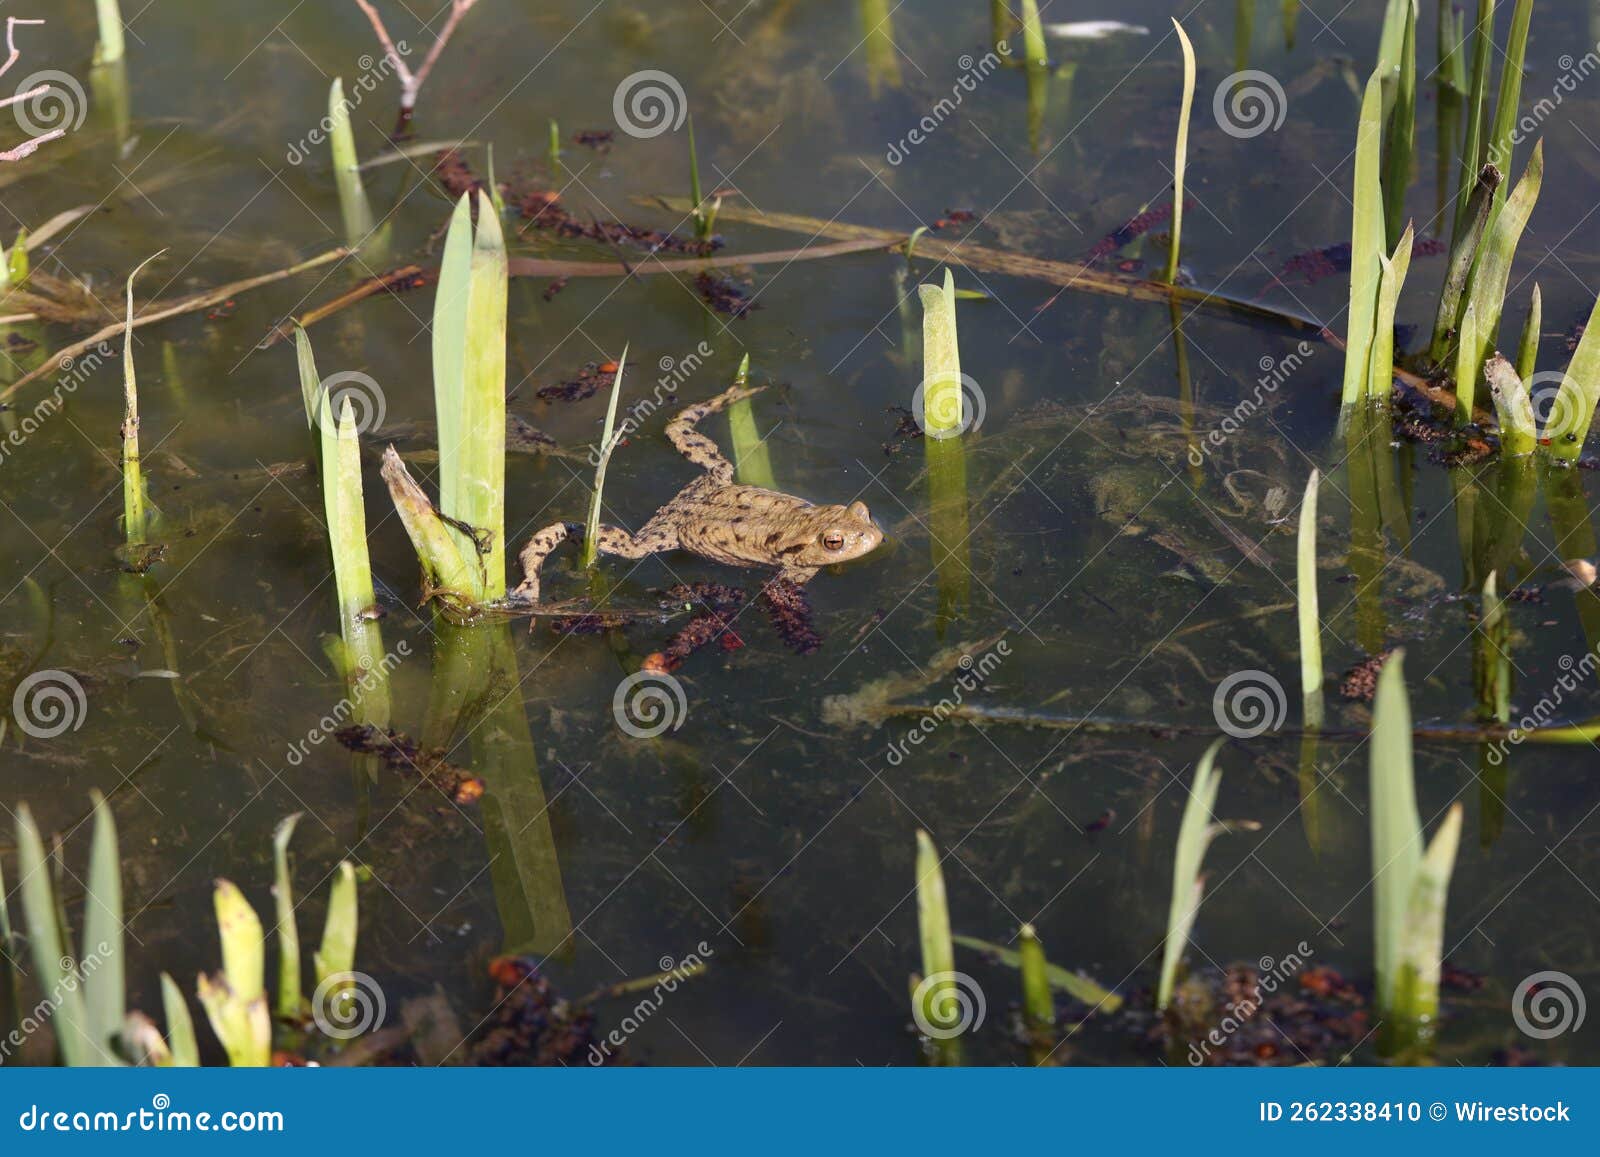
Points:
(538, 549)
(699, 448)
(611, 540)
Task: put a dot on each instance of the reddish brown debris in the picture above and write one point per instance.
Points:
(594, 377)
(555, 287)
(1360, 682)
(905, 430)
(1130, 231)
(594, 138)
(455, 174)
(543, 210)
(402, 753)
(725, 295)
(790, 613)
(532, 1025)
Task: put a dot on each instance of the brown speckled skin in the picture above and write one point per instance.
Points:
(720, 520)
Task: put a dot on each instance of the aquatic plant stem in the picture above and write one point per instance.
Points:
(411, 83)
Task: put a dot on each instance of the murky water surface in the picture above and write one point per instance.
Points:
(1100, 567)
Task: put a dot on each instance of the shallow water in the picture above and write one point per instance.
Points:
(766, 827)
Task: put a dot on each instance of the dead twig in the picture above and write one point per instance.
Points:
(28, 147)
(411, 82)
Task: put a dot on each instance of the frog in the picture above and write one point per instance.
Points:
(718, 519)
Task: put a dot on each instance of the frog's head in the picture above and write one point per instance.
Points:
(837, 534)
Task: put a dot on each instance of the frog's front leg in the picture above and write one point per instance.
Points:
(798, 575)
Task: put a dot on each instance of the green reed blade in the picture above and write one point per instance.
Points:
(180, 1025)
(54, 971)
(1392, 277)
(1421, 948)
(1396, 826)
(354, 208)
(1492, 657)
(608, 443)
(480, 459)
(1488, 289)
(337, 955)
(1473, 151)
(1180, 158)
(1000, 23)
(939, 995)
(1310, 619)
(1513, 409)
(110, 48)
(243, 951)
(289, 993)
(1195, 833)
(450, 304)
(1463, 255)
(1399, 140)
(752, 463)
(1500, 141)
(1467, 365)
(1033, 47)
(1366, 243)
(135, 494)
(105, 984)
(1038, 1005)
(1574, 407)
(1528, 343)
(942, 400)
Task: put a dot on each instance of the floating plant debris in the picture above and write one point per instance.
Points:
(532, 1025)
(725, 295)
(789, 611)
(1360, 682)
(594, 138)
(402, 753)
(594, 377)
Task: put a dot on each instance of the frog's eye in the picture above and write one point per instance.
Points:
(833, 540)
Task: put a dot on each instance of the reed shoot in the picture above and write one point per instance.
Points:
(1366, 244)
(1463, 255)
(1493, 272)
(940, 1002)
(289, 992)
(1573, 411)
(354, 207)
(1307, 605)
(1398, 142)
(336, 958)
(1180, 158)
(1519, 435)
(1033, 47)
(1195, 833)
(1528, 343)
(235, 999)
(943, 399)
(608, 443)
(1392, 276)
(752, 463)
(110, 48)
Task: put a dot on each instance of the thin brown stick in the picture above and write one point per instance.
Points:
(28, 147)
(157, 311)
